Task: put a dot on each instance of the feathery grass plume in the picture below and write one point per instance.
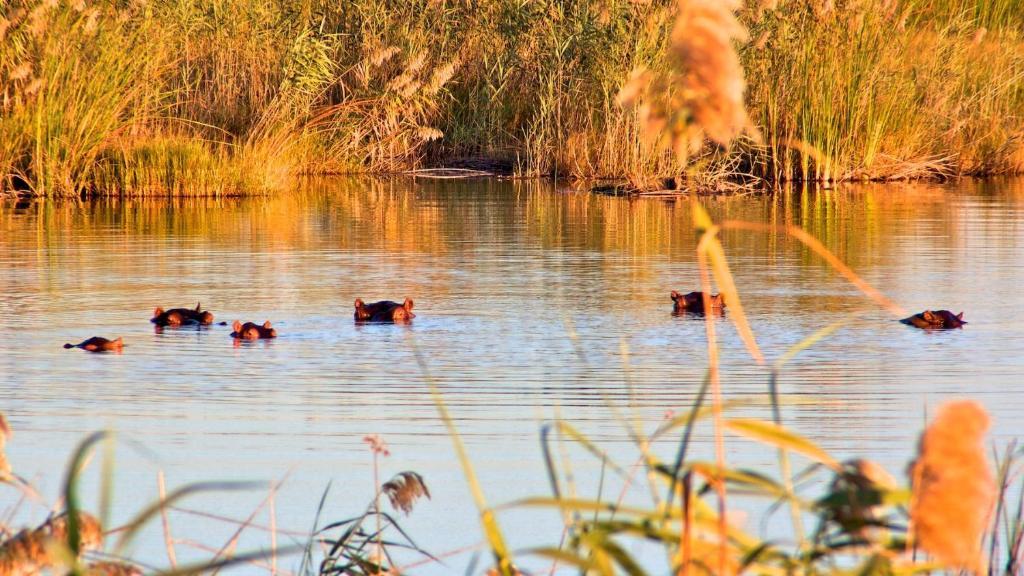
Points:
(702, 40)
(33, 551)
(703, 93)
(441, 76)
(954, 488)
(382, 55)
(404, 490)
(24, 70)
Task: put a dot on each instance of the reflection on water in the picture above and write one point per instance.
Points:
(531, 302)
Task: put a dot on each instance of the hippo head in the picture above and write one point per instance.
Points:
(685, 300)
(403, 313)
(693, 300)
(362, 313)
(247, 331)
(268, 332)
(206, 318)
(949, 320)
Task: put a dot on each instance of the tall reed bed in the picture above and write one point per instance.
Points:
(238, 96)
(876, 90)
(75, 79)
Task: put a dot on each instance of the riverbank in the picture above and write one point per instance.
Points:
(240, 97)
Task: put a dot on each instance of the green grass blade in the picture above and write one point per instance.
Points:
(775, 435)
(71, 501)
(492, 531)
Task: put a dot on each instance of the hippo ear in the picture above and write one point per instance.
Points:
(237, 326)
(198, 306)
(408, 304)
(119, 340)
(266, 324)
(359, 303)
(158, 311)
(676, 295)
(960, 316)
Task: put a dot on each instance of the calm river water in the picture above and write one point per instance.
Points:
(532, 302)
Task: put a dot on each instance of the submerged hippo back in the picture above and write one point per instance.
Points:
(937, 319)
(694, 302)
(99, 344)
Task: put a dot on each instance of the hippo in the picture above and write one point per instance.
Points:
(182, 317)
(935, 320)
(99, 344)
(384, 311)
(250, 331)
(694, 302)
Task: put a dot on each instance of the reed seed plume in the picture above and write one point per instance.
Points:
(702, 40)
(382, 55)
(404, 490)
(377, 444)
(23, 71)
(953, 486)
(701, 95)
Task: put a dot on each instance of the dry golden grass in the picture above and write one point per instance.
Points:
(31, 552)
(953, 487)
(255, 95)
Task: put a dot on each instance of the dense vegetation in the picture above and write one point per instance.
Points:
(218, 96)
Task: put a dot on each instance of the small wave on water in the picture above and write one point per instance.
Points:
(530, 304)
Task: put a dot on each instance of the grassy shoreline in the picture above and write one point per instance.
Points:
(234, 96)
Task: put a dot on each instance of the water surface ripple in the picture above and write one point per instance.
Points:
(532, 302)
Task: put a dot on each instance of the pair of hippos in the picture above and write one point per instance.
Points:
(176, 317)
(383, 311)
(928, 320)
